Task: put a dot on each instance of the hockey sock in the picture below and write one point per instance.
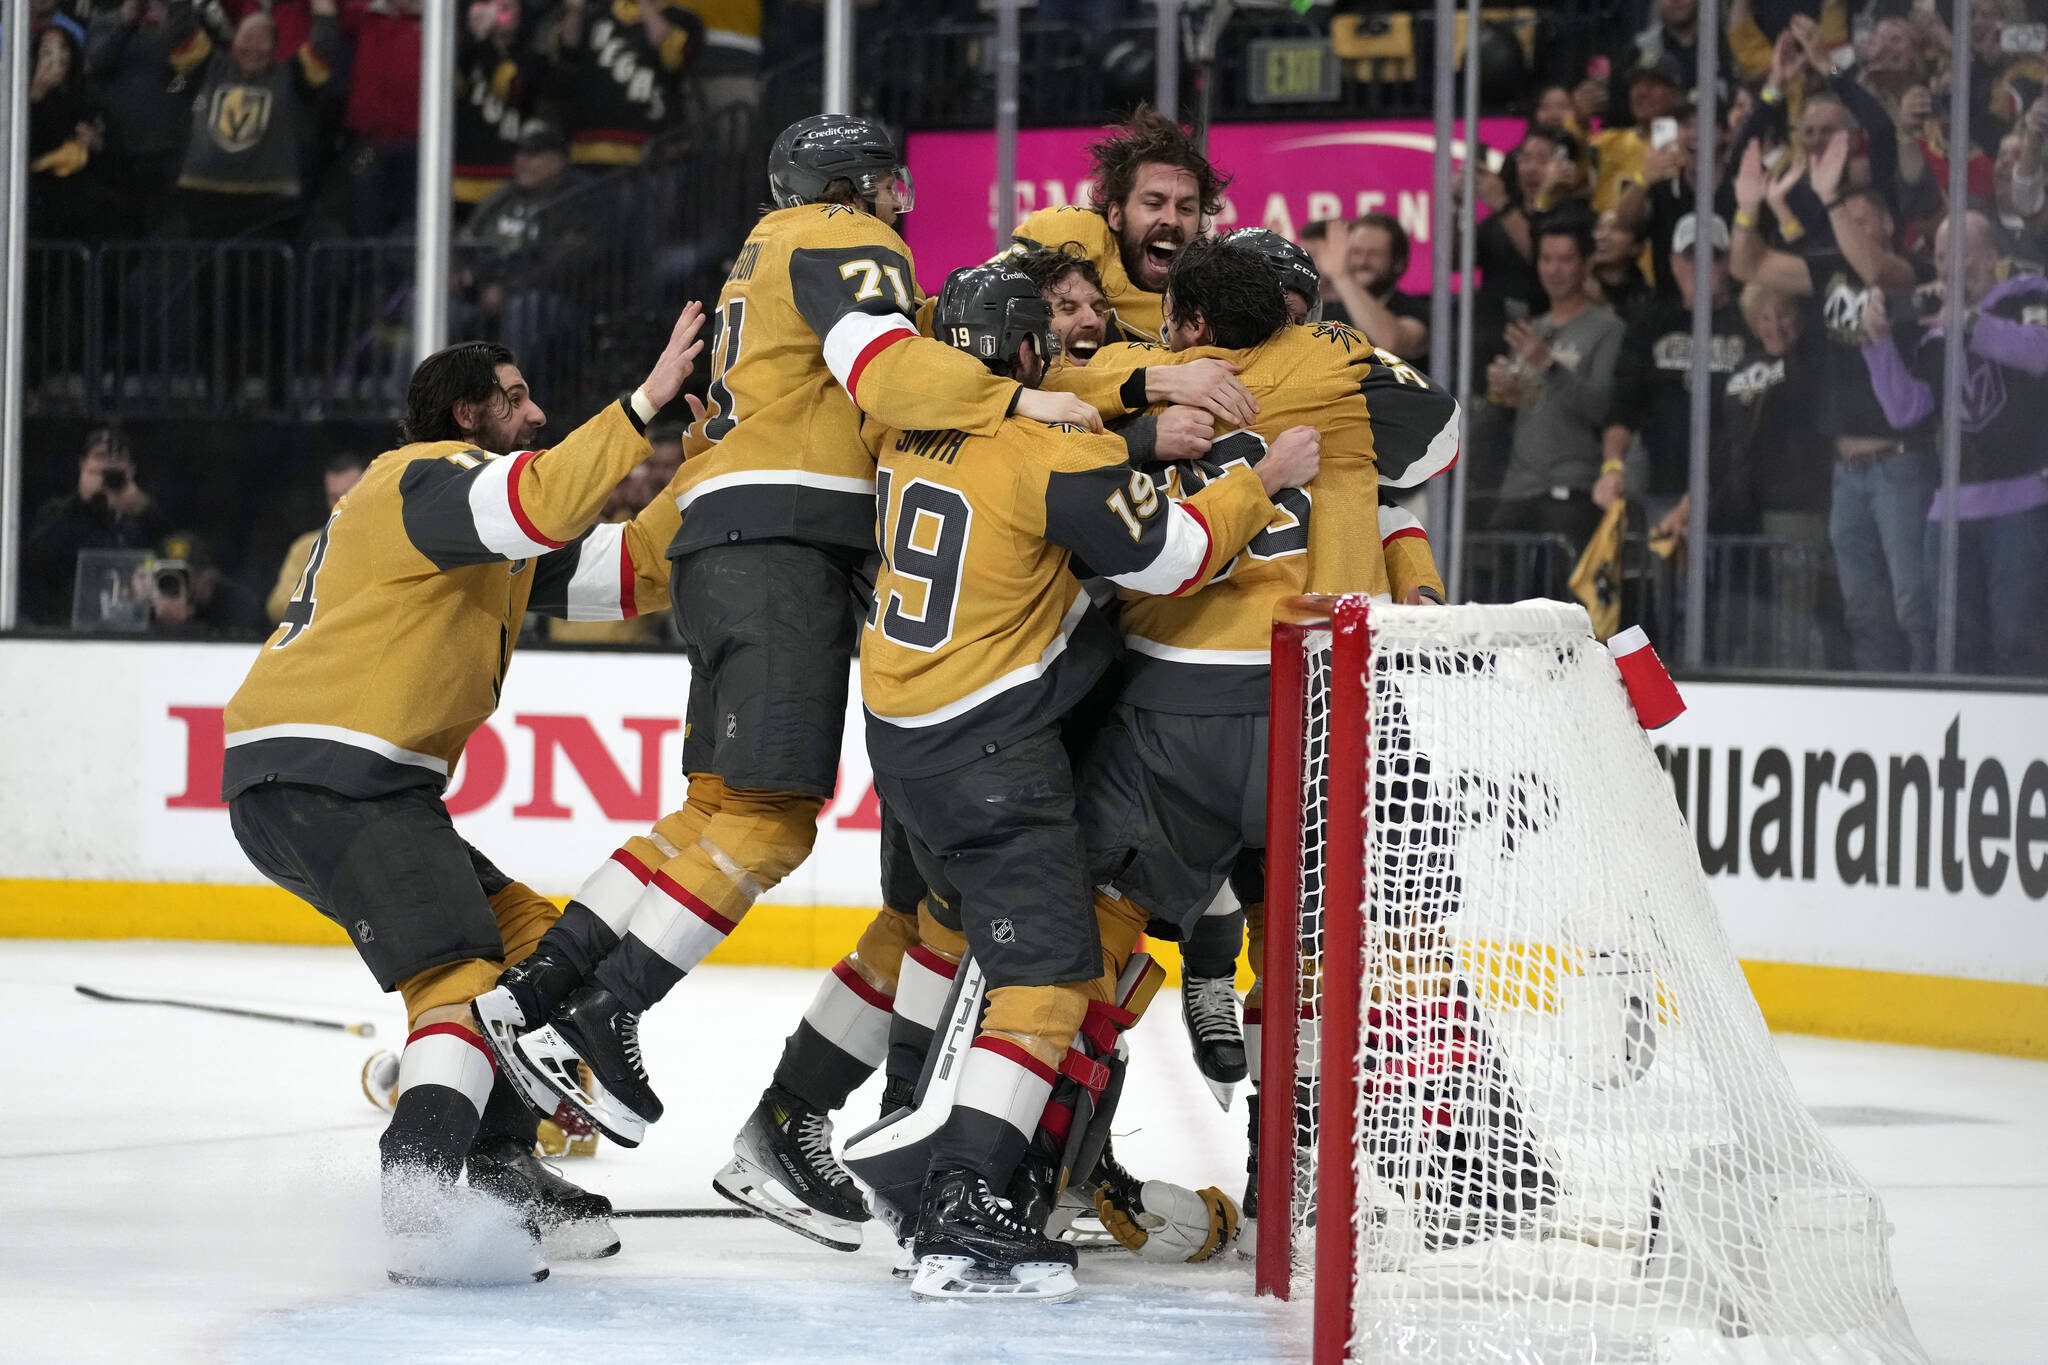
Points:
(840, 1040)
(445, 1078)
(507, 1116)
(1002, 1095)
(1212, 947)
(750, 842)
(921, 990)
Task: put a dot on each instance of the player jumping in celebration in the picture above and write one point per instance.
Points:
(1153, 190)
(980, 642)
(1187, 740)
(392, 651)
(778, 518)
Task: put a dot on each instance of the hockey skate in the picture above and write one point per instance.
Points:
(1208, 1006)
(971, 1245)
(593, 1028)
(526, 993)
(783, 1169)
(574, 1224)
(438, 1234)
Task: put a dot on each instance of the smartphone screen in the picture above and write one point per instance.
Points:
(1663, 133)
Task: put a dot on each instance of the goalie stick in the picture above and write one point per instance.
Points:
(363, 1030)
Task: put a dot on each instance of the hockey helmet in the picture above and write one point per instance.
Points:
(1298, 273)
(811, 153)
(988, 311)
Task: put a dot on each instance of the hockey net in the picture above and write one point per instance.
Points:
(1535, 1114)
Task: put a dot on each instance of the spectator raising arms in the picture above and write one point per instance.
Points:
(497, 77)
(2002, 502)
(1362, 270)
(64, 137)
(621, 67)
(1884, 478)
(143, 54)
(1560, 383)
(241, 175)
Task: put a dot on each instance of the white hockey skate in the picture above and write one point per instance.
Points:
(502, 1022)
(560, 1067)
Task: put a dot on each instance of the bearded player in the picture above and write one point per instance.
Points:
(340, 741)
(1152, 192)
(980, 643)
(778, 518)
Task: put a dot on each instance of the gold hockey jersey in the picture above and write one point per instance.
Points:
(1081, 231)
(814, 328)
(1381, 421)
(980, 633)
(394, 646)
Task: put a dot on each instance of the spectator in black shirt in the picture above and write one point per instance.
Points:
(1653, 384)
(1362, 273)
(107, 511)
(143, 55)
(1617, 265)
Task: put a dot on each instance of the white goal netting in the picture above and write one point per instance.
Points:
(1572, 1138)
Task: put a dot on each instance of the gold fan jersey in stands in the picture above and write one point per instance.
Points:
(817, 309)
(393, 649)
(1080, 231)
(1383, 425)
(980, 633)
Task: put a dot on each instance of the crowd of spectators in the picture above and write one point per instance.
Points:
(1831, 219)
(280, 118)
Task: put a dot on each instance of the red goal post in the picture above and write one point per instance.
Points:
(1517, 1101)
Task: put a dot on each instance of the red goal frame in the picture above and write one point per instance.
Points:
(1348, 619)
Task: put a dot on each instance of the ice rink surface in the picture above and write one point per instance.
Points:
(178, 1186)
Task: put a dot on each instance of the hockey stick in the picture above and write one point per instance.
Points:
(684, 1213)
(364, 1030)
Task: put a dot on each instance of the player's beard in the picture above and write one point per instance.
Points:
(1144, 262)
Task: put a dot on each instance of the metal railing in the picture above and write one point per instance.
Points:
(230, 330)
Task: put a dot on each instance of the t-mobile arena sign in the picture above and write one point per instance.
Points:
(1284, 175)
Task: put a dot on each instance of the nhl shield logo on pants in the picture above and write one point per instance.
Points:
(1003, 931)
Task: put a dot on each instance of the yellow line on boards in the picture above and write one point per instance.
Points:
(1840, 1002)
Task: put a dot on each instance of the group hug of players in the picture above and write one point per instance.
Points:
(1050, 512)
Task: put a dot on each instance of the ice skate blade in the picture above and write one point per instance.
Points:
(743, 1184)
(952, 1277)
(419, 1281)
(906, 1260)
(580, 1239)
(1224, 1091)
(502, 1023)
(550, 1056)
(1247, 1244)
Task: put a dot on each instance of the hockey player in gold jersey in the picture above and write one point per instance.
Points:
(979, 643)
(1153, 191)
(392, 651)
(777, 503)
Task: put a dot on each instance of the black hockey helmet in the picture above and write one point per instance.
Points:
(1298, 272)
(811, 153)
(988, 311)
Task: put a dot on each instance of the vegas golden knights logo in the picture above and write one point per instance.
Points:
(239, 116)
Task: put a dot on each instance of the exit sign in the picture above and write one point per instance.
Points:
(1290, 71)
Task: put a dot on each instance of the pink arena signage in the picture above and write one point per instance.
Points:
(1284, 175)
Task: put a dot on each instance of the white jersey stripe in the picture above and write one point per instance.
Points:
(794, 478)
(852, 335)
(1441, 455)
(1231, 658)
(1016, 677)
(335, 734)
(594, 591)
(490, 509)
(1180, 559)
(1396, 521)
